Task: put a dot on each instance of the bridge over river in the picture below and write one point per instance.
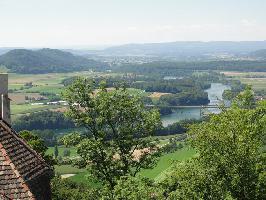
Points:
(203, 109)
(174, 107)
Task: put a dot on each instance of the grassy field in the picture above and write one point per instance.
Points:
(55, 89)
(20, 109)
(45, 79)
(51, 82)
(257, 83)
(157, 173)
(73, 151)
(26, 108)
(68, 169)
(166, 161)
(256, 79)
(84, 177)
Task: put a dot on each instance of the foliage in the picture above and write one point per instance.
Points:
(71, 139)
(56, 151)
(38, 145)
(117, 125)
(50, 96)
(110, 81)
(132, 188)
(246, 99)
(194, 97)
(230, 164)
(176, 128)
(69, 190)
(177, 85)
(48, 136)
(43, 120)
(172, 146)
(66, 153)
(128, 188)
(228, 95)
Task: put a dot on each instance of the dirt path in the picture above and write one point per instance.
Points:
(67, 175)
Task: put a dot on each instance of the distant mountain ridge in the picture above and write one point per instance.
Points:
(46, 60)
(195, 48)
(261, 54)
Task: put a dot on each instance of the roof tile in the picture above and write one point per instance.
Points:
(19, 165)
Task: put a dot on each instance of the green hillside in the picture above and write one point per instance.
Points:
(46, 61)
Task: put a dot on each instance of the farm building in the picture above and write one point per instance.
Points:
(23, 173)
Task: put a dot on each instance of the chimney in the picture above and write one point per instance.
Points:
(4, 100)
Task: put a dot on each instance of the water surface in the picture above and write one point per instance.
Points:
(215, 93)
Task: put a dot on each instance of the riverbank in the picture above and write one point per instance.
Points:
(215, 95)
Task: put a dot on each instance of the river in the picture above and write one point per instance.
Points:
(215, 96)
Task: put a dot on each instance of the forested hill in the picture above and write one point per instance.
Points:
(47, 60)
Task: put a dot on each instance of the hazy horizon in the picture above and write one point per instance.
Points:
(104, 23)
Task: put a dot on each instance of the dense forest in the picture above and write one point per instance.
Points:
(194, 97)
(42, 120)
(176, 68)
(47, 61)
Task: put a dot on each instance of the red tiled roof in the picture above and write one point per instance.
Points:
(19, 166)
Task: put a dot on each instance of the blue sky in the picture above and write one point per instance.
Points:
(52, 23)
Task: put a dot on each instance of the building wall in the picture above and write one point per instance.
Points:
(4, 100)
(3, 83)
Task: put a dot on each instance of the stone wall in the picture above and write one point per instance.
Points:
(4, 100)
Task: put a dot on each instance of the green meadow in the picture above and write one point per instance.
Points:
(157, 173)
(256, 79)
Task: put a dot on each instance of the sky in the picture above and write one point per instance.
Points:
(89, 23)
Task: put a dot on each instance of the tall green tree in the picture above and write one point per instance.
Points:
(56, 151)
(231, 162)
(37, 145)
(118, 126)
(245, 99)
(34, 141)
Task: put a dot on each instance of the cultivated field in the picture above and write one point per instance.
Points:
(256, 79)
(157, 95)
(20, 98)
(41, 83)
(45, 83)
